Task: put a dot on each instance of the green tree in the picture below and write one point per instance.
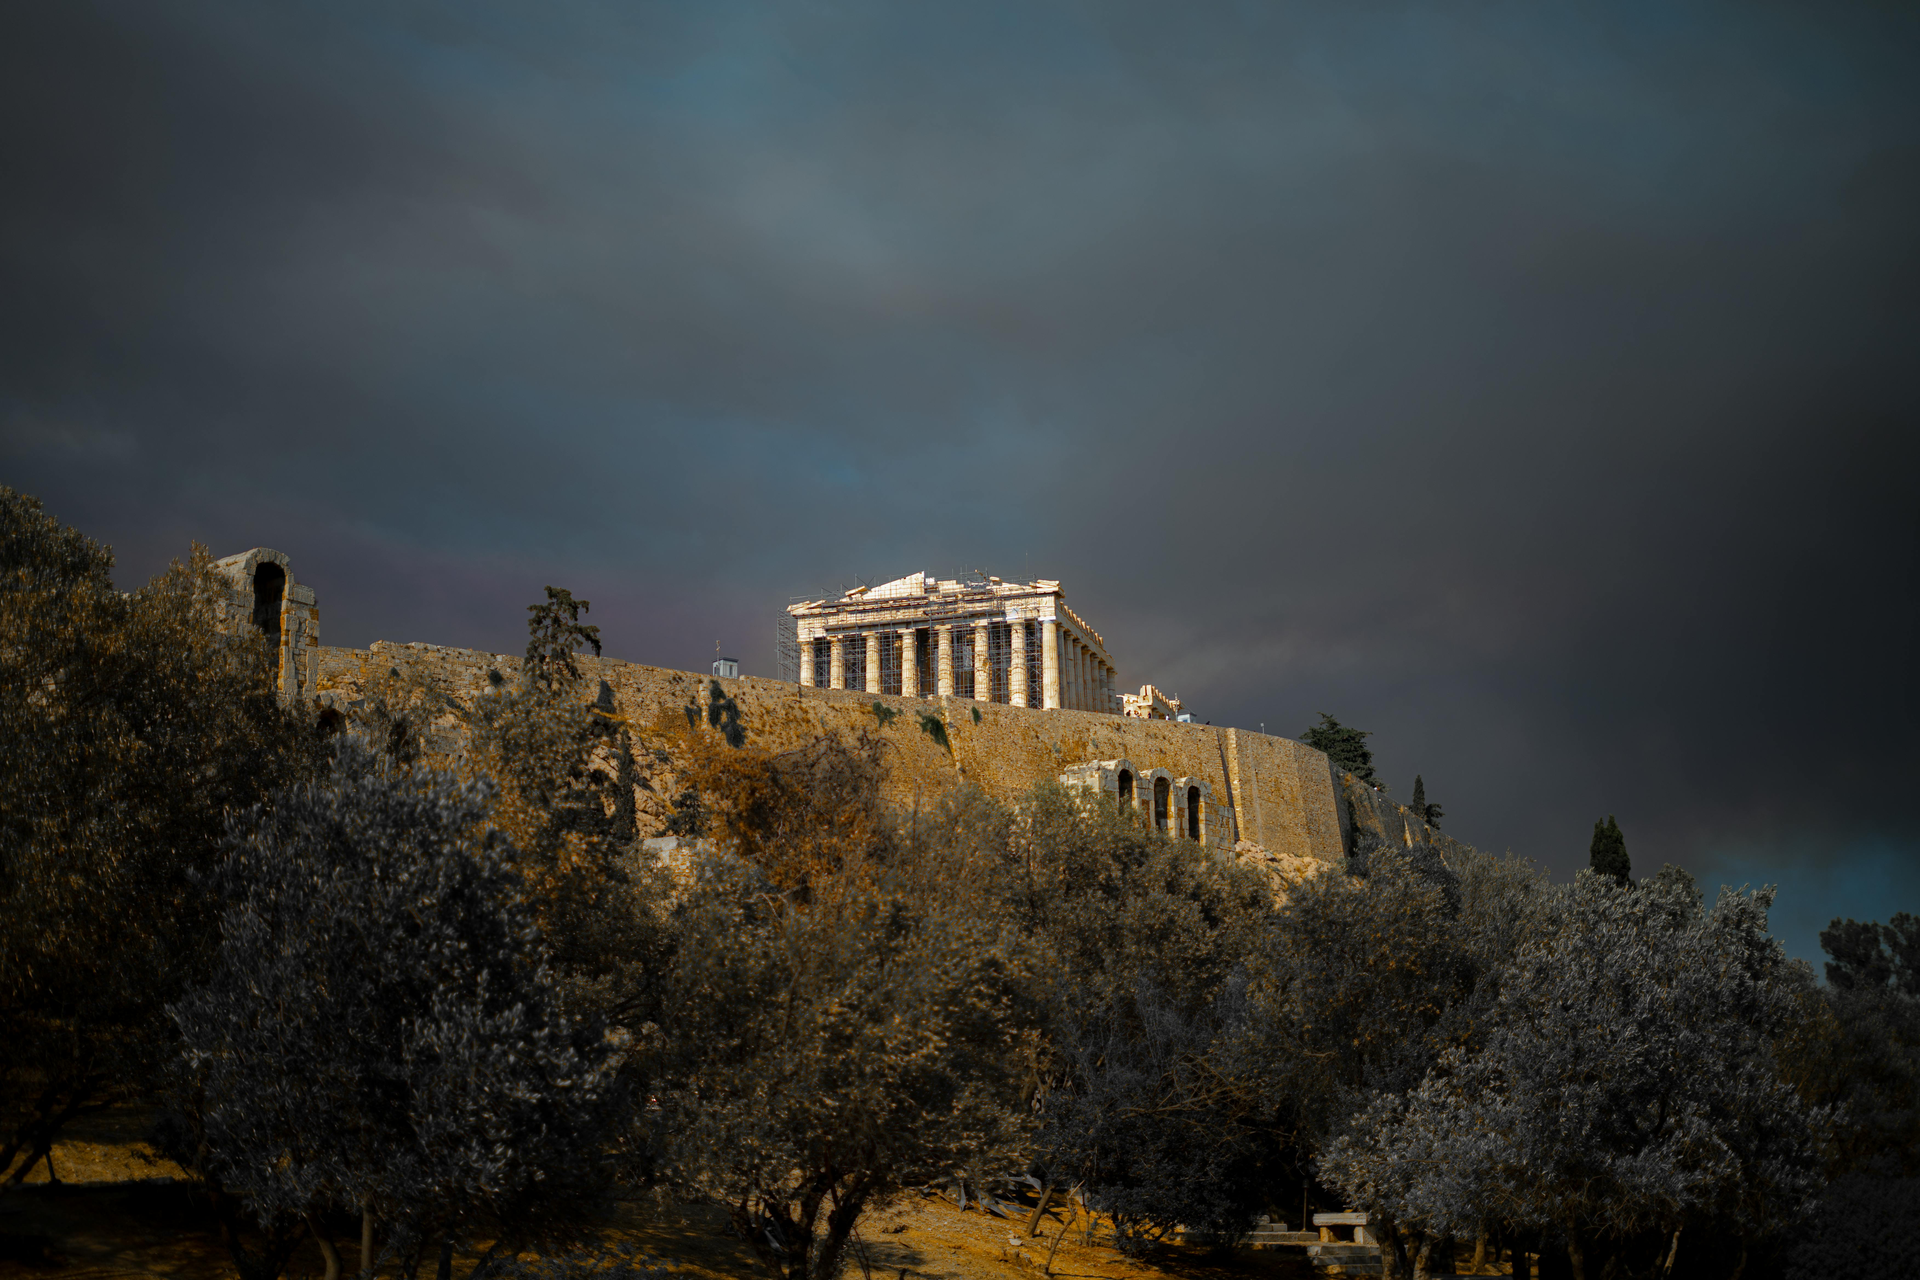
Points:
(815, 1049)
(1608, 853)
(383, 1032)
(132, 726)
(1428, 813)
(555, 634)
(1346, 747)
(1628, 1090)
(1866, 955)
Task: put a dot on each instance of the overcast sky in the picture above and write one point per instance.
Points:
(1532, 385)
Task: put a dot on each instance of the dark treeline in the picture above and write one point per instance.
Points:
(410, 1013)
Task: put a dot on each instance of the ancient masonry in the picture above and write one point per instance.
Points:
(1017, 644)
(1259, 796)
(266, 596)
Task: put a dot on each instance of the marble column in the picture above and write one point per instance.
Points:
(1069, 671)
(1080, 669)
(909, 664)
(1017, 674)
(943, 639)
(1050, 663)
(806, 663)
(873, 662)
(837, 663)
(982, 665)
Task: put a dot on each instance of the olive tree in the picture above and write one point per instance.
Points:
(1627, 1091)
(382, 1033)
(814, 1053)
(133, 727)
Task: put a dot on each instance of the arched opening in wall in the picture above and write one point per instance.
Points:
(1193, 813)
(269, 586)
(1126, 790)
(1162, 797)
(331, 722)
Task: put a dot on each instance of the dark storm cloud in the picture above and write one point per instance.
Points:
(1527, 384)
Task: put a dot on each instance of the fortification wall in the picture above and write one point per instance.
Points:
(1273, 792)
(1366, 811)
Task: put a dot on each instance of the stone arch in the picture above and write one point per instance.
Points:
(268, 587)
(1162, 800)
(1193, 813)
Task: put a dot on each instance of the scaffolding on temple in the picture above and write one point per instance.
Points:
(999, 662)
(786, 645)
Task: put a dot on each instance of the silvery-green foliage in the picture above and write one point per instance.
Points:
(1627, 1084)
(1352, 986)
(814, 1053)
(381, 1030)
(1145, 1121)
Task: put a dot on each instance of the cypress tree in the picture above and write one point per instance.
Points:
(1428, 813)
(1608, 853)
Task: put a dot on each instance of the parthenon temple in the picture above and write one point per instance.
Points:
(1009, 642)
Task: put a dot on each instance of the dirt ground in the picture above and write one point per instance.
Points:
(116, 1212)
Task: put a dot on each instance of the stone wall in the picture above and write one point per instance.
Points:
(1366, 811)
(1271, 792)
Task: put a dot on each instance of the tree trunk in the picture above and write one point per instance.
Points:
(1673, 1251)
(445, 1270)
(1422, 1255)
(841, 1219)
(1480, 1250)
(366, 1243)
(1393, 1251)
(324, 1239)
(276, 1248)
(38, 1134)
(1576, 1256)
(1033, 1223)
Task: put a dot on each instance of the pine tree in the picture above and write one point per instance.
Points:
(1608, 853)
(1346, 747)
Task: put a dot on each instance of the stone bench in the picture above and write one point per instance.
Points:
(1327, 1222)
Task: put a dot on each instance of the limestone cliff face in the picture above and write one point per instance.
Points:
(1273, 793)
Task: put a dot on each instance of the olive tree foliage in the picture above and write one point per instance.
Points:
(382, 1033)
(1866, 955)
(816, 1049)
(1626, 1090)
(1353, 985)
(132, 727)
(1143, 938)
